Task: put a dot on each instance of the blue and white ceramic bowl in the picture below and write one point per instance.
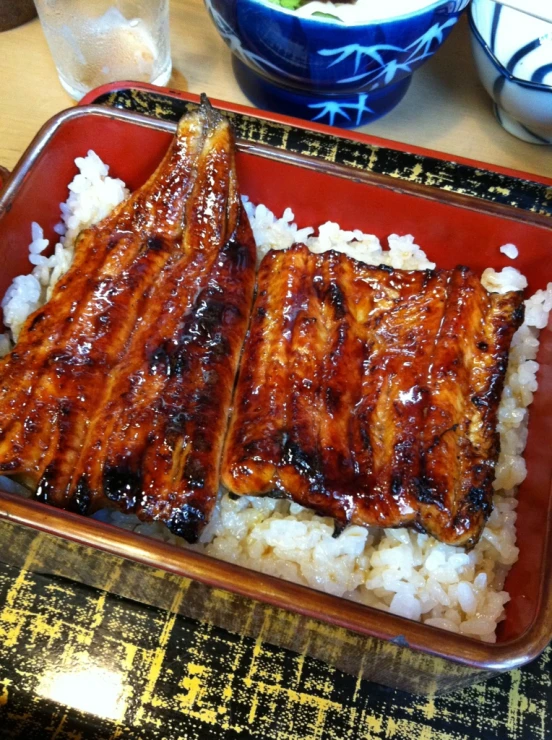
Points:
(323, 70)
(513, 54)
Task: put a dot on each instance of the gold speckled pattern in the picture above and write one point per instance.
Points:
(389, 663)
(424, 170)
(77, 662)
(79, 659)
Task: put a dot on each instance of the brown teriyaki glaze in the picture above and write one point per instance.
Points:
(365, 393)
(370, 394)
(119, 387)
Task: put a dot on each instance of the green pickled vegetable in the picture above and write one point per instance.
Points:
(318, 14)
(288, 4)
(294, 4)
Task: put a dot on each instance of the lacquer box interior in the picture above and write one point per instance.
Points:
(452, 229)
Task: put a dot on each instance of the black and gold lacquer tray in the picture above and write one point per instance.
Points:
(156, 640)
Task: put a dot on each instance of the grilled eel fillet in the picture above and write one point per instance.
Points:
(119, 387)
(370, 394)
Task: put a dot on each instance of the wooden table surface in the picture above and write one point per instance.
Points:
(446, 108)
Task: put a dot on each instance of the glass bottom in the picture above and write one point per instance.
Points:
(77, 92)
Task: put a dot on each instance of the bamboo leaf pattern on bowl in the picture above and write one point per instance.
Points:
(416, 52)
(333, 108)
(236, 46)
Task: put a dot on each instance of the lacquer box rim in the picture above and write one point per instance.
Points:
(336, 611)
(111, 94)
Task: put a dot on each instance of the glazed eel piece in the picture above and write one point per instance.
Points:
(51, 376)
(370, 394)
(119, 387)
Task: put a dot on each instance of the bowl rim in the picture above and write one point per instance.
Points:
(320, 20)
(499, 66)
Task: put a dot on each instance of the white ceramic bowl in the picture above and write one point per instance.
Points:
(513, 54)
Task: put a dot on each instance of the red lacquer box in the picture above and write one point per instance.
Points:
(452, 228)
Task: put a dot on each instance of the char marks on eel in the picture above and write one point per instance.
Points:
(370, 394)
(365, 393)
(119, 387)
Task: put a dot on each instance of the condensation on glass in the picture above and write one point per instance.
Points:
(98, 41)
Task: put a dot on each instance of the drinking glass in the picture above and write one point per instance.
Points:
(98, 41)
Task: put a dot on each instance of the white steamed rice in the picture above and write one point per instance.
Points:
(92, 195)
(396, 570)
(510, 250)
